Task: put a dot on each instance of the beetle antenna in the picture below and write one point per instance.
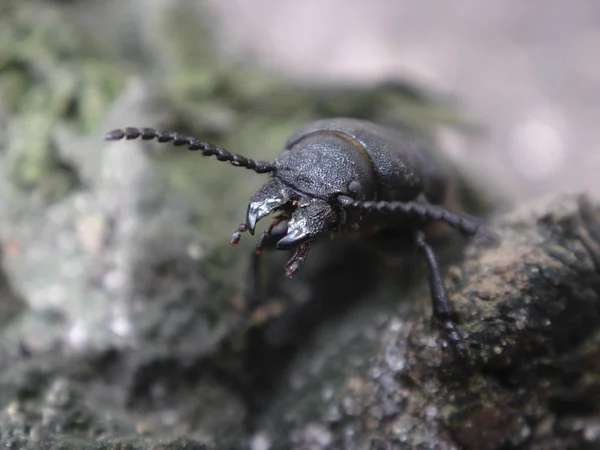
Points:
(193, 144)
(465, 224)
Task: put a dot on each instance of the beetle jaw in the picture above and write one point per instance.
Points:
(272, 196)
(310, 219)
(307, 216)
(304, 219)
(259, 209)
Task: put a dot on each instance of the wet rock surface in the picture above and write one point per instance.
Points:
(120, 296)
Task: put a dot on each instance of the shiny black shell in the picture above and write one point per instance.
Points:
(343, 156)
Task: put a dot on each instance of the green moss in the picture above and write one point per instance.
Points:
(46, 81)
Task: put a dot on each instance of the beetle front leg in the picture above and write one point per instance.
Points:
(255, 291)
(442, 308)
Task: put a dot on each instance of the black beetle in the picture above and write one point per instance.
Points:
(345, 175)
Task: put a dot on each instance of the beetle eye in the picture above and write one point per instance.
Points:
(355, 188)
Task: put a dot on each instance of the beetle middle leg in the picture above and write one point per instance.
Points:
(254, 290)
(442, 307)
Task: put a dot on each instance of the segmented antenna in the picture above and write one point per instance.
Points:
(193, 144)
(463, 223)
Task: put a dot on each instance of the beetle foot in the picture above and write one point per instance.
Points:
(460, 348)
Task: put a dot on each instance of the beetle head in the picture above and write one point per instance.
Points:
(308, 178)
(303, 217)
(307, 217)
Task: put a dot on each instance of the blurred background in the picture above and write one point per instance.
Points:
(528, 71)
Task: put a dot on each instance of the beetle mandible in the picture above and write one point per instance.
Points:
(345, 175)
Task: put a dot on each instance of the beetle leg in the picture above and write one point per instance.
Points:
(441, 304)
(254, 285)
(254, 289)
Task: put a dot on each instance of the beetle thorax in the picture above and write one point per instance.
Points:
(325, 165)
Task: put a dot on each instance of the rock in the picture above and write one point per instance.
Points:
(529, 309)
(120, 310)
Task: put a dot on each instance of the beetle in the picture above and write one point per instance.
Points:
(345, 176)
